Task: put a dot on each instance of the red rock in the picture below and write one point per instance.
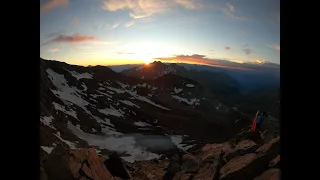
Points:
(67, 164)
(190, 163)
(270, 174)
(275, 162)
(250, 165)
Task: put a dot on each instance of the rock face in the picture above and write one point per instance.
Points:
(271, 174)
(251, 165)
(275, 163)
(115, 166)
(245, 160)
(75, 164)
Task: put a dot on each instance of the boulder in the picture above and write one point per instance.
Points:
(242, 148)
(206, 170)
(210, 171)
(173, 167)
(75, 164)
(237, 168)
(183, 175)
(190, 163)
(57, 166)
(275, 163)
(270, 149)
(116, 167)
(270, 174)
(213, 150)
(250, 165)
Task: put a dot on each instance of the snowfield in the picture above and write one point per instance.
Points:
(190, 85)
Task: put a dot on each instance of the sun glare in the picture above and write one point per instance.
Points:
(147, 62)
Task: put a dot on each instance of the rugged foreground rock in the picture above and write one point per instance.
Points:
(245, 160)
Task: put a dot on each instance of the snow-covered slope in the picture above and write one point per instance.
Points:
(82, 106)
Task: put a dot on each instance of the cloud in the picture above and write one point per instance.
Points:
(247, 51)
(75, 20)
(76, 38)
(255, 65)
(133, 16)
(140, 9)
(230, 11)
(47, 6)
(53, 50)
(129, 24)
(246, 45)
(231, 7)
(190, 4)
(114, 26)
(275, 46)
(119, 52)
(227, 47)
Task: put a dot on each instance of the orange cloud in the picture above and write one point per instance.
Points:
(227, 47)
(255, 65)
(76, 38)
(47, 6)
(144, 8)
(190, 4)
(201, 59)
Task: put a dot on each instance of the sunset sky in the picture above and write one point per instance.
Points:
(105, 32)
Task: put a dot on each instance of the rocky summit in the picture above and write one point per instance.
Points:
(96, 123)
(244, 160)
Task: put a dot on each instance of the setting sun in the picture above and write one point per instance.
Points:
(147, 62)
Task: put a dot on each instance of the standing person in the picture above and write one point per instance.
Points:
(260, 120)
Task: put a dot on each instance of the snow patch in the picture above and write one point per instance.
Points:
(70, 144)
(177, 90)
(71, 94)
(47, 149)
(62, 108)
(190, 85)
(112, 111)
(128, 103)
(141, 124)
(120, 91)
(177, 139)
(142, 98)
(101, 88)
(105, 94)
(80, 75)
(84, 87)
(123, 85)
(193, 101)
(47, 120)
(110, 92)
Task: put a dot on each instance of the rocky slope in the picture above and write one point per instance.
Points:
(233, 87)
(139, 118)
(99, 124)
(249, 158)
